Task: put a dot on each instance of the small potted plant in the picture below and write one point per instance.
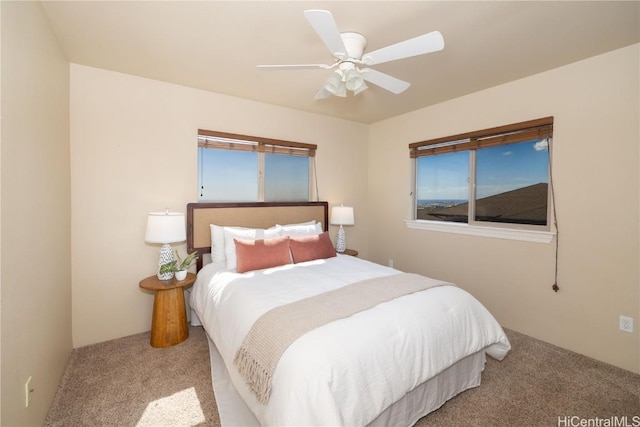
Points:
(179, 266)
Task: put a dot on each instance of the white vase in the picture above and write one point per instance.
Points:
(181, 275)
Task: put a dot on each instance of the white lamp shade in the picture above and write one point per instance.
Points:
(342, 215)
(165, 227)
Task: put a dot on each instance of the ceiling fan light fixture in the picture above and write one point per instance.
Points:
(342, 81)
(353, 80)
(361, 89)
(334, 84)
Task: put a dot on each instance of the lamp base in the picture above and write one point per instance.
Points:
(166, 256)
(341, 243)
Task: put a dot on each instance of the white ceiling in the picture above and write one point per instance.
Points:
(215, 45)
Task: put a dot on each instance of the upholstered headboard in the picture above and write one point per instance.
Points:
(252, 215)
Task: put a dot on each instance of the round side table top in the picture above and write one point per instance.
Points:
(152, 283)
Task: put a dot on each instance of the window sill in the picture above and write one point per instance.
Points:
(494, 232)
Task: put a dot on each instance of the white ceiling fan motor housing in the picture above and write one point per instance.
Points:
(355, 43)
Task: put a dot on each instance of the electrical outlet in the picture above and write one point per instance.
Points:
(626, 324)
(390, 263)
(27, 392)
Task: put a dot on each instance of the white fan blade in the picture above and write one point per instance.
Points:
(296, 67)
(385, 81)
(322, 94)
(426, 43)
(323, 23)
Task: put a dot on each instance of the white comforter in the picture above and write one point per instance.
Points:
(348, 371)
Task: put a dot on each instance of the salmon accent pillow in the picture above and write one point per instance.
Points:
(232, 233)
(312, 247)
(264, 253)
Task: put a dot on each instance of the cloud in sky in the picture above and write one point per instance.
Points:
(541, 145)
(507, 153)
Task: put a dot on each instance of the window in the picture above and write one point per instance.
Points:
(442, 184)
(286, 178)
(496, 177)
(239, 168)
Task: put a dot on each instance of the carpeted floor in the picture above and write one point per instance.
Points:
(126, 382)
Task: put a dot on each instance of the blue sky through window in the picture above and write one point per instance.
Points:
(443, 177)
(227, 175)
(232, 176)
(286, 178)
(509, 167)
(498, 169)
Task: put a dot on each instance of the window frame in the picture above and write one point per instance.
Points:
(472, 141)
(261, 145)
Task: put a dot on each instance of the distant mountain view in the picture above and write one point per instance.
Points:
(526, 205)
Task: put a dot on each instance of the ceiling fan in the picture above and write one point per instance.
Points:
(348, 53)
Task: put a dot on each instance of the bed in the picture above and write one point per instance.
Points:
(302, 336)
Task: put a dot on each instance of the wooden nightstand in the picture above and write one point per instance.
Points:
(351, 252)
(169, 322)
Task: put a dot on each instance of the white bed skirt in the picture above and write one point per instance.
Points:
(425, 398)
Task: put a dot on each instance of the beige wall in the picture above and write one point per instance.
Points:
(596, 165)
(35, 217)
(133, 151)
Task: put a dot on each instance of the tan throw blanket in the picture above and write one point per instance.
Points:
(278, 328)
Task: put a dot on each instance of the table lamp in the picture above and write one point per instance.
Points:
(341, 215)
(165, 227)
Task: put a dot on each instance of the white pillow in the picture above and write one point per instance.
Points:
(313, 221)
(217, 243)
(301, 230)
(231, 233)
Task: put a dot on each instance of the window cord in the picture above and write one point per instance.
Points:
(200, 156)
(555, 286)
